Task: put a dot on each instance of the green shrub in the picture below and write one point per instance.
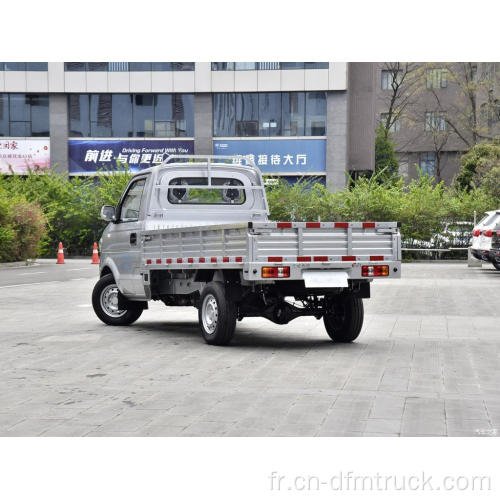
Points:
(22, 226)
(71, 207)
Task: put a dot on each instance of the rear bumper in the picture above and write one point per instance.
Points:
(494, 255)
(480, 254)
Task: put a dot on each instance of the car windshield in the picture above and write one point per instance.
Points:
(219, 192)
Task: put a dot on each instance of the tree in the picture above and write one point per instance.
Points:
(402, 91)
(386, 163)
(480, 162)
(475, 108)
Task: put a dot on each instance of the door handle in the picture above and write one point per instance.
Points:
(133, 238)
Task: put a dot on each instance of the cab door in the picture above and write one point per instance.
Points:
(124, 244)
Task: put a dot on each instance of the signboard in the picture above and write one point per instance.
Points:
(279, 156)
(87, 156)
(21, 154)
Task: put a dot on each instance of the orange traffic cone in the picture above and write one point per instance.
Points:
(95, 255)
(60, 254)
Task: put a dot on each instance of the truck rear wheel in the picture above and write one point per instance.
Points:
(496, 264)
(344, 319)
(105, 303)
(217, 315)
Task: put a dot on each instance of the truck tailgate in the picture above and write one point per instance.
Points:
(326, 241)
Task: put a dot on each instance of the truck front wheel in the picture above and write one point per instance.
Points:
(216, 314)
(344, 318)
(105, 303)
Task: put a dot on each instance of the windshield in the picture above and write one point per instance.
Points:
(192, 191)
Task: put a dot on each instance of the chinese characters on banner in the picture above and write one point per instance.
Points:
(89, 156)
(19, 155)
(283, 156)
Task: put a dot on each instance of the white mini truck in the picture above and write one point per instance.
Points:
(194, 231)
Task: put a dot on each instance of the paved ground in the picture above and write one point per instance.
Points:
(426, 363)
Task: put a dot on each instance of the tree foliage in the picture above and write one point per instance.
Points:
(386, 162)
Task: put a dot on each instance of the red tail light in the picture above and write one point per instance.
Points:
(476, 232)
(276, 272)
(370, 271)
(488, 233)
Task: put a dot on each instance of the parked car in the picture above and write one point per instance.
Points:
(482, 233)
(197, 234)
(454, 235)
(494, 252)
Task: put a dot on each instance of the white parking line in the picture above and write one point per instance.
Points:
(77, 269)
(36, 272)
(77, 279)
(29, 284)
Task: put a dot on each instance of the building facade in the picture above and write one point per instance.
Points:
(439, 111)
(296, 118)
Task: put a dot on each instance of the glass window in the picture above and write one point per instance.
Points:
(24, 115)
(37, 66)
(427, 163)
(245, 66)
(395, 126)
(224, 110)
(131, 204)
(184, 114)
(121, 115)
(75, 66)
(139, 66)
(269, 65)
(97, 66)
(292, 65)
(293, 109)
(182, 66)
(100, 115)
(165, 124)
(437, 78)
(4, 115)
(316, 65)
(19, 108)
(39, 115)
(247, 114)
(143, 115)
(118, 66)
(315, 113)
(389, 76)
(131, 115)
(79, 115)
(269, 114)
(223, 66)
(161, 66)
(435, 120)
(222, 195)
(15, 66)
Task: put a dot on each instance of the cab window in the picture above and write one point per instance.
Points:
(131, 204)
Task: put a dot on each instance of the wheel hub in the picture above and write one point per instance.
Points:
(109, 301)
(210, 314)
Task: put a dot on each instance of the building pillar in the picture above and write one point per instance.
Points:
(58, 123)
(336, 144)
(203, 123)
(362, 116)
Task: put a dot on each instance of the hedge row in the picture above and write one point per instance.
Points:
(71, 208)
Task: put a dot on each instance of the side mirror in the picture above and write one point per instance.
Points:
(108, 213)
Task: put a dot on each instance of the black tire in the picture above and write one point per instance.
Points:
(344, 319)
(216, 315)
(496, 264)
(120, 319)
